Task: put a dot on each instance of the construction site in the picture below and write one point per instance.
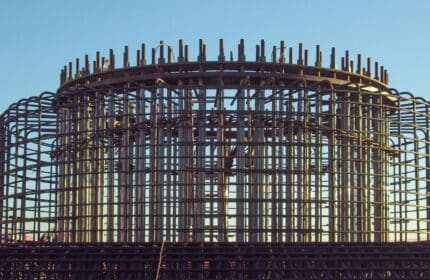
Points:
(154, 164)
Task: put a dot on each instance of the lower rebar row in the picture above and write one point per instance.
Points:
(227, 261)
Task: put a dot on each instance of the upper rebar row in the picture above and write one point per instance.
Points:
(279, 55)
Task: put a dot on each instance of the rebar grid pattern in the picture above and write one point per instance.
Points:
(28, 184)
(218, 151)
(216, 261)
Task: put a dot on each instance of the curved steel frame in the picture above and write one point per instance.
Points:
(217, 151)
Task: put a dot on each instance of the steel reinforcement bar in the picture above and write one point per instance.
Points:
(216, 261)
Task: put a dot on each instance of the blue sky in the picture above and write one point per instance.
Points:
(39, 37)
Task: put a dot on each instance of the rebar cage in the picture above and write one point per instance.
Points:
(226, 150)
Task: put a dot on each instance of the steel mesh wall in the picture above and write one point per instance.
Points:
(217, 151)
(216, 260)
(28, 182)
(257, 168)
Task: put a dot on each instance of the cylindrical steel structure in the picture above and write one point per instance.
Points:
(28, 181)
(225, 150)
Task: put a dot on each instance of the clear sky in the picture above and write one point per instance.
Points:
(39, 37)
